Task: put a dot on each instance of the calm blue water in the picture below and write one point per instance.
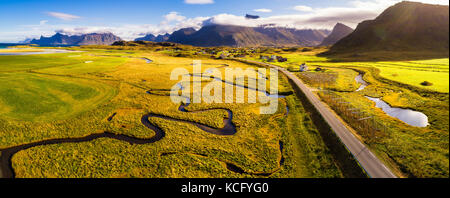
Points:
(413, 118)
(46, 51)
(6, 45)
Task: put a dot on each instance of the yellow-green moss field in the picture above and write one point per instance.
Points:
(78, 94)
(409, 151)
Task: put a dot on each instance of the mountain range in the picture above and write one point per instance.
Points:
(151, 37)
(406, 26)
(84, 39)
(207, 36)
(240, 36)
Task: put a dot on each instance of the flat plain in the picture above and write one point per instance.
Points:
(102, 90)
(58, 97)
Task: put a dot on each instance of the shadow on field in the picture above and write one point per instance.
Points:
(348, 165)
(376, 56)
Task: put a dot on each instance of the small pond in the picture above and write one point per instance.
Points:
(413, 118)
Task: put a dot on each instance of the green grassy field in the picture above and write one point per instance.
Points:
(73, 95)
(412, 73)
(33, 97)
(62, 96)
(409, 151)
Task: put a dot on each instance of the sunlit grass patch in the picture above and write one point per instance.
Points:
(439, 79)
(255, 148)
(34, 97)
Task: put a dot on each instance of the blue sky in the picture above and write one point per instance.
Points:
(131, 18)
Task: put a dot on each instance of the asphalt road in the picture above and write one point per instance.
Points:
(371, 164)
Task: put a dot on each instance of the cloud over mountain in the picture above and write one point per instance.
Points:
(198, 1)
(307, 17)
(265, 10)
(63, 16)
(303, 8)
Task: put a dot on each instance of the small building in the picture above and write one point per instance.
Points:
(281, 59)
(223, 55)
(303, 67)
(266, 58)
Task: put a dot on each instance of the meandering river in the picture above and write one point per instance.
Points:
(360, 80)
(7, 171)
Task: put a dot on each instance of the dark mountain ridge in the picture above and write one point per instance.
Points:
(404, 27)
(151, 37)
(85, 39)
(339, 31)
(181, 35)
(240, 36)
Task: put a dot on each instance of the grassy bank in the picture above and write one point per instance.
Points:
(410, 151)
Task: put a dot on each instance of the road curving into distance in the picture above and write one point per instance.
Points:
(368, 161)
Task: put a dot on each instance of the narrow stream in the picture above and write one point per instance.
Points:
(245, 87)
(147, 60)
(363, 83)
(229, 129)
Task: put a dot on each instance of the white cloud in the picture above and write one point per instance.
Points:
(263, 10)
(63, 16)
(440, 2)
(171, 23)
(198, 1)
(174, 16)
(43, 22)
(351, 14)
(303, 8)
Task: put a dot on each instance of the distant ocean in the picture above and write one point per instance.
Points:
(6, 45)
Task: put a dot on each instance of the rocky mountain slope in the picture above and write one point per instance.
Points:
(406, 26)
(151, 37)
(339, 31)
(85, 39)
(240, 36)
